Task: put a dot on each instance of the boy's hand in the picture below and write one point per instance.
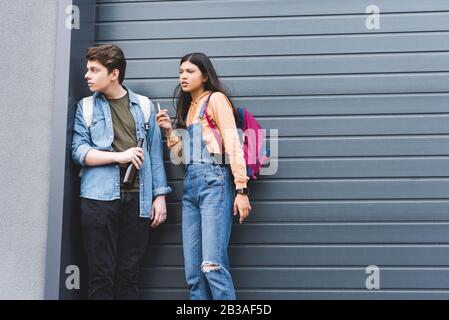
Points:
(134, 155)
(158, 211)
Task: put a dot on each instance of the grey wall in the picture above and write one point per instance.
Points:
(28, 36)
(363, 119)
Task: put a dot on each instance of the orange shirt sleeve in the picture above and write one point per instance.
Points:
(221, 113)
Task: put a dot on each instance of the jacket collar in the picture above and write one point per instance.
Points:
(133, 98)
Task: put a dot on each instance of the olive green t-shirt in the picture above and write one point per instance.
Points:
(124, 134)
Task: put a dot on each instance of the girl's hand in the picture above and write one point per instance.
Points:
(163, 119)
(241, 205)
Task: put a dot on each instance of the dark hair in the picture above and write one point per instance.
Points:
(111, 57)
(212, 84)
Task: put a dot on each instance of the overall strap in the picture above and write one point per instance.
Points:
(211, 124)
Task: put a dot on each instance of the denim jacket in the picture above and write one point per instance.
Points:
(103, 182)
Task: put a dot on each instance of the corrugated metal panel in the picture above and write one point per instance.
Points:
(363, 122)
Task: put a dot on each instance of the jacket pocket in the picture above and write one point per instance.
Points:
(98, 129)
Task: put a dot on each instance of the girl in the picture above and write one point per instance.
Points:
(210, 195)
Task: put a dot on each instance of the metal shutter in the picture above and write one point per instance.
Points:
(363, 119)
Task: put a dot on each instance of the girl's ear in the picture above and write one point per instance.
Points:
(205, 78)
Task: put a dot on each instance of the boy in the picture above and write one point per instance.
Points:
(114, 215)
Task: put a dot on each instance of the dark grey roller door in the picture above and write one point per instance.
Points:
(363, 119)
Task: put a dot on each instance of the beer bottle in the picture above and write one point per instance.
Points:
(130, 174)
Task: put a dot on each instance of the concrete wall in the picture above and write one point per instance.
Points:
(28, 36)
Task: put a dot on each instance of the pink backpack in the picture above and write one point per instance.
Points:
(253, 140)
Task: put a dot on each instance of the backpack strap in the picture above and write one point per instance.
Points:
(148, 112)
(145, 106)
(88, 105)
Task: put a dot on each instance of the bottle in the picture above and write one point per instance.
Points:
(130, 174)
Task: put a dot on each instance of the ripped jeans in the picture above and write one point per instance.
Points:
(206, 227)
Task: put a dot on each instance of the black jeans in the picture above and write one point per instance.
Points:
(115, 239)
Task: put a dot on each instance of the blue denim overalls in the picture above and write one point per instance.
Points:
(207, 206)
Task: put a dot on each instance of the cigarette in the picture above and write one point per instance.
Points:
(158, 107)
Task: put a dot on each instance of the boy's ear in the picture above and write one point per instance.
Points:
(115, 74)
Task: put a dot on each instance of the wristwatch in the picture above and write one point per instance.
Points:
(243, 191)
